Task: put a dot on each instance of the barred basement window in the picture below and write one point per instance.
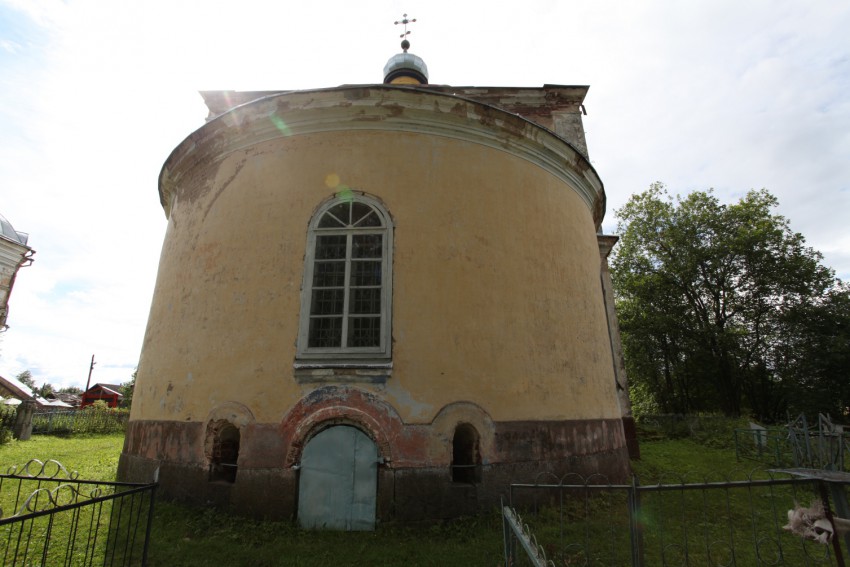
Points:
(222, 447)
(466, 455)
(347, 291)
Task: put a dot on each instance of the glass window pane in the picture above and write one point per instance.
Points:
(365, 273)
(358, 211)
(325, 332)
(328, 220)
(330, 247)
(365, 301)
(366, 245)
(364, 331)
(338, 215)
(329, 274)
(370, 220)
(327, 302)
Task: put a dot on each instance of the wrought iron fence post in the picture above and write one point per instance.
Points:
(737, 454)
(824, 495)
(808, 441)
(149, 527)
(635, 529)
(842, 509)
(507, 534)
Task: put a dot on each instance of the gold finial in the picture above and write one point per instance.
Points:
(405, 45)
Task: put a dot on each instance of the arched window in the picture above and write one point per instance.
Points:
(222, 447)
(466, 455)
(347, 291)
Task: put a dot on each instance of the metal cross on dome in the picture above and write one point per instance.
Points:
(405, 21)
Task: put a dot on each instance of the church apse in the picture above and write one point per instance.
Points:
(406, 272)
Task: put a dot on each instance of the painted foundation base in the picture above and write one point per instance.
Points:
(630, 430)
(266, 483)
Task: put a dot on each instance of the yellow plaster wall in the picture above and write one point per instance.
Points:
(496, 292)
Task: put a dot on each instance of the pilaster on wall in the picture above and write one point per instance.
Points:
(606, 244)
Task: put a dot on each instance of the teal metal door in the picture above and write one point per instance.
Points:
(338, 481)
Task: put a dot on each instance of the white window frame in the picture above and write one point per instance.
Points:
(311, 357)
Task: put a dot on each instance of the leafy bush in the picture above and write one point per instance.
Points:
(8, 414)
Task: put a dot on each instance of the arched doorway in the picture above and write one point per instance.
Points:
(338, 480)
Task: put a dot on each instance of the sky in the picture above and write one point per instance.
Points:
(94, 95)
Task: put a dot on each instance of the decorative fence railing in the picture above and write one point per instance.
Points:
(573, 521)
(823, 445)
(50, 517)
(66, 422)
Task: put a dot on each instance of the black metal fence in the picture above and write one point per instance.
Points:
(574, 521)
(50, 517)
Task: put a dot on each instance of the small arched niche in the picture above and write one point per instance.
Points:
(466, 455)
(222, 450)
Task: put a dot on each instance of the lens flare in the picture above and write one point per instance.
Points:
(345, 193)
(280, 125)
(332, 180)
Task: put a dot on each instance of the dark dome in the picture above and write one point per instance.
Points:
(406, 68)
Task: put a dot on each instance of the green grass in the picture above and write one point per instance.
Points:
(94, 457)
(665, 461)
(184, 538)
(90, 457)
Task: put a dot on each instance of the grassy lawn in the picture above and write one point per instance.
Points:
(183, 538)
(194, 537)
(666, 461)
(95, 457)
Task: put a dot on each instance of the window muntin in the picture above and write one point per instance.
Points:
(345, 308)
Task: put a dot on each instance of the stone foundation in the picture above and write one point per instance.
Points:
(266, 484)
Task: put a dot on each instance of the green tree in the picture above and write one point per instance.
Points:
(27, 380)
(707, 296)
(46, 390)
(71, 390)
(127, 390)
(814, 354)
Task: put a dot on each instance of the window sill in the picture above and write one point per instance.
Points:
(342, 372)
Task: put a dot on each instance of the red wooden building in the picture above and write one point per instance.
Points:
(109, 393)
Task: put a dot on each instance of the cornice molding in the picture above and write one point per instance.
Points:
(382, 108)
